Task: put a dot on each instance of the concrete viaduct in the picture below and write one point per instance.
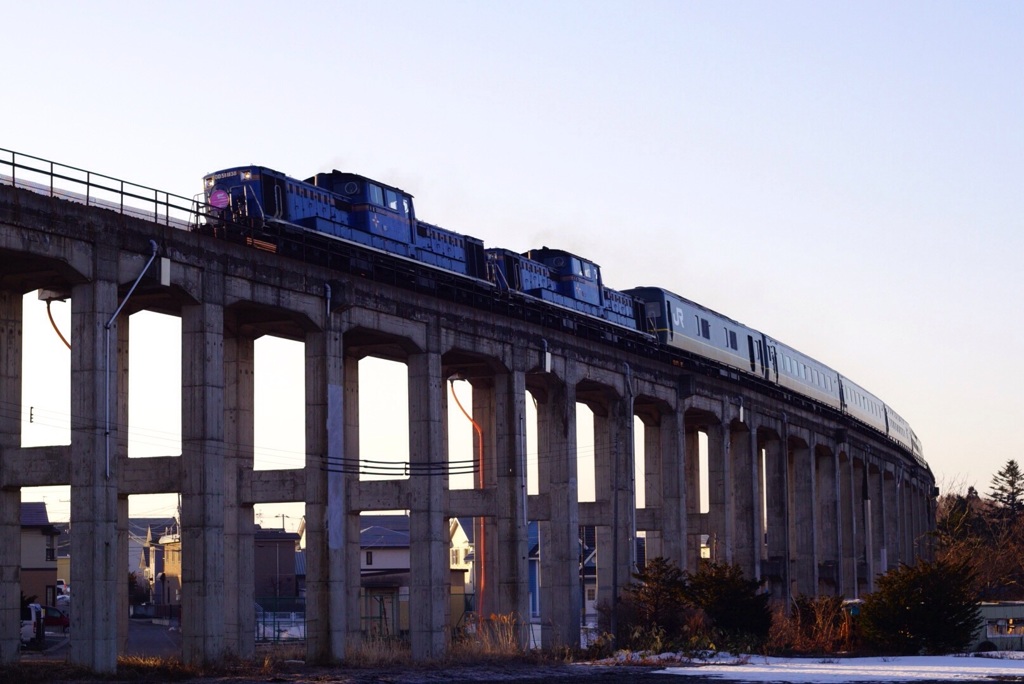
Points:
(799, 496)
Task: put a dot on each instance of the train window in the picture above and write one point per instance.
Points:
(376, 194)
(705, 329)
(732, 340)
(391, 198)
(406, 211)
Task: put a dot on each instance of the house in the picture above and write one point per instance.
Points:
(385, 566)
(151, 560)
(38, 553)
(167, 583)
(1001, 627)
(141, 535)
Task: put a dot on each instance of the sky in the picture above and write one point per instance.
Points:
(845, 177)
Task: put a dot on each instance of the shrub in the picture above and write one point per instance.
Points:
(925, 608)
(737, 611)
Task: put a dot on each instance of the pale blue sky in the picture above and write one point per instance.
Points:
(845, 177)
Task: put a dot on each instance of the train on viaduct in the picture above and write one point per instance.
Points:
(799, 495)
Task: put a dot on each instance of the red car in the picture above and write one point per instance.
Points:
(55, 617)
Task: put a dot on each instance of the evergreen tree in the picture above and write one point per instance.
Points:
(1008, 489)
(733, 603)
(658, 595)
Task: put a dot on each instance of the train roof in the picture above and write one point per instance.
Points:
(312, 179)
(356, 176)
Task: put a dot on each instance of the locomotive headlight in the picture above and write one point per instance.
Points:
(209, 182)
(247, 175)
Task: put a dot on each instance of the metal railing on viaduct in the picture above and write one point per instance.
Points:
(799, 496)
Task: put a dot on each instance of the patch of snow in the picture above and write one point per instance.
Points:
(830, 670)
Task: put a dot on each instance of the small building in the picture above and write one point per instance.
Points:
(274, 578)
(1002, 627)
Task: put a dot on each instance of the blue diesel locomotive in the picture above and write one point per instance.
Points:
(345, 206)
(269, 210)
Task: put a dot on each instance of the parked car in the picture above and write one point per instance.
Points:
(30, 616)
(55, 618)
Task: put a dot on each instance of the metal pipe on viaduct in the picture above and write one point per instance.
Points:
(799, 496)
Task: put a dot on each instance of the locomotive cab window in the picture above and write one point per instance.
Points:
(391, 197)
(376, 194)
(582, 268)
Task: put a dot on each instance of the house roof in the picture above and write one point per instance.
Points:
(149, 528)
(275, 535)
(33, 514)
(376, 537)
(398, 523)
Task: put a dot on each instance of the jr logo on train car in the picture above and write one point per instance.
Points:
(678, 318)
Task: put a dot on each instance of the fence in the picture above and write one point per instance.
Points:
(97, 190)
(280, 618)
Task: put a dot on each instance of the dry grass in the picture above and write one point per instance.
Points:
(497, 641)
(129, 668)
(379, 652)
(814, 627)
(499, 636)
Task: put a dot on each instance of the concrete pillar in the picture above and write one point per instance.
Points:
(918, 519)
(10, 499)
(865, 530)
(890, 517)
(499, 407)
(720, 505)
(123, 601)
(203, 449)
(94, 392)
(665, 484)
(614, 488)
(560, 594)
(239, 520)
(776, 505)
(802, 507)
(345, 578)
(746, 512)
(906, 517)
(327, 615)
(428, 501)
(697, 525)
(847, 584)
(121, 450)
(827, 527)
(876, 491)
